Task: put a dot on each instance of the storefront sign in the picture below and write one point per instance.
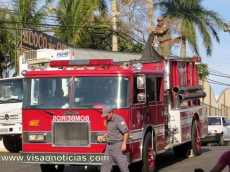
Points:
(33, 40)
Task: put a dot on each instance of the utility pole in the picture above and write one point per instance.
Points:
(150, 15)
(114, 22)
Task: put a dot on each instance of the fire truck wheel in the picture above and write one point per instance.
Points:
(12, 143)
(149, 155)
(196, 143)
(51, 168)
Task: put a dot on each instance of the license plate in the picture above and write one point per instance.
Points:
(3, 130)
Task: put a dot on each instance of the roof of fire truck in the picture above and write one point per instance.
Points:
(95, 66)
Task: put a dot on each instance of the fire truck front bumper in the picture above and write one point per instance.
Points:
(6, 129)
(63, 158)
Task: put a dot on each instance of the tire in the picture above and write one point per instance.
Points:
(222, 142)
(195, 139)
(51, 168)
(149, 155)
(12, 143)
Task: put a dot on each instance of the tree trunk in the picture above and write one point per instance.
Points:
(183, 47)
(150, 15)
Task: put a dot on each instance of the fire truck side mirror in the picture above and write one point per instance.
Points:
(141, 82)
(141, 97)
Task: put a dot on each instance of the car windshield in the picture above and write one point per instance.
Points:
(76, 93)
(11, 90)
(214, 121)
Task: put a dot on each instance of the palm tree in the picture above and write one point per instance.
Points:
(193, 18)
(7, 45)
(74, 16)
(30, 11)
(23, 12)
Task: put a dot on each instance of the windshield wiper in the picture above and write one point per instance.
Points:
(50, 113)
(37, 106)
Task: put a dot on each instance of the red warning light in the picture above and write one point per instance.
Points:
(82, 62)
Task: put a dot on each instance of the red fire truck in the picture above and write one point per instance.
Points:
(159, 100)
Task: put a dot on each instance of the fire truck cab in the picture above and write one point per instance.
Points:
(159, 100)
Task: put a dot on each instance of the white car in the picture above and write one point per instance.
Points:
(218, 131)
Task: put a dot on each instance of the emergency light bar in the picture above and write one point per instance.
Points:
(81, 62)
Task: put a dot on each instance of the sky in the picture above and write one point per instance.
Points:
(220, 59)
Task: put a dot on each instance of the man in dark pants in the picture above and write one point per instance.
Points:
(164, 37)
(116, 136)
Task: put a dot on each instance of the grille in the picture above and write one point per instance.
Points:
(11, 117)
(71, 134)
(30, 55)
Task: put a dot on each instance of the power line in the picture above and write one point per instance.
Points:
(219, 75)
(44, 25)
(217, 83)
(216, 71)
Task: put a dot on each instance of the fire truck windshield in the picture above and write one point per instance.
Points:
(11, 90)
(80, 92)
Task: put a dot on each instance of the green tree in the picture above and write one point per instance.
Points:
(75, 16)
(87, 24)
(193, 18)
(31, 12)
(203, 71)
(28, 12)
(7, 45)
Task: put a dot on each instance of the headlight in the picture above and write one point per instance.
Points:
(32, 137)
(36, 138)
(214, 131)
(98, 138)
(40, 137)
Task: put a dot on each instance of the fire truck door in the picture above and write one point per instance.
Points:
(151, 107)
(138, 110)
(138, 120)
(145, 113)
(160, 118)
